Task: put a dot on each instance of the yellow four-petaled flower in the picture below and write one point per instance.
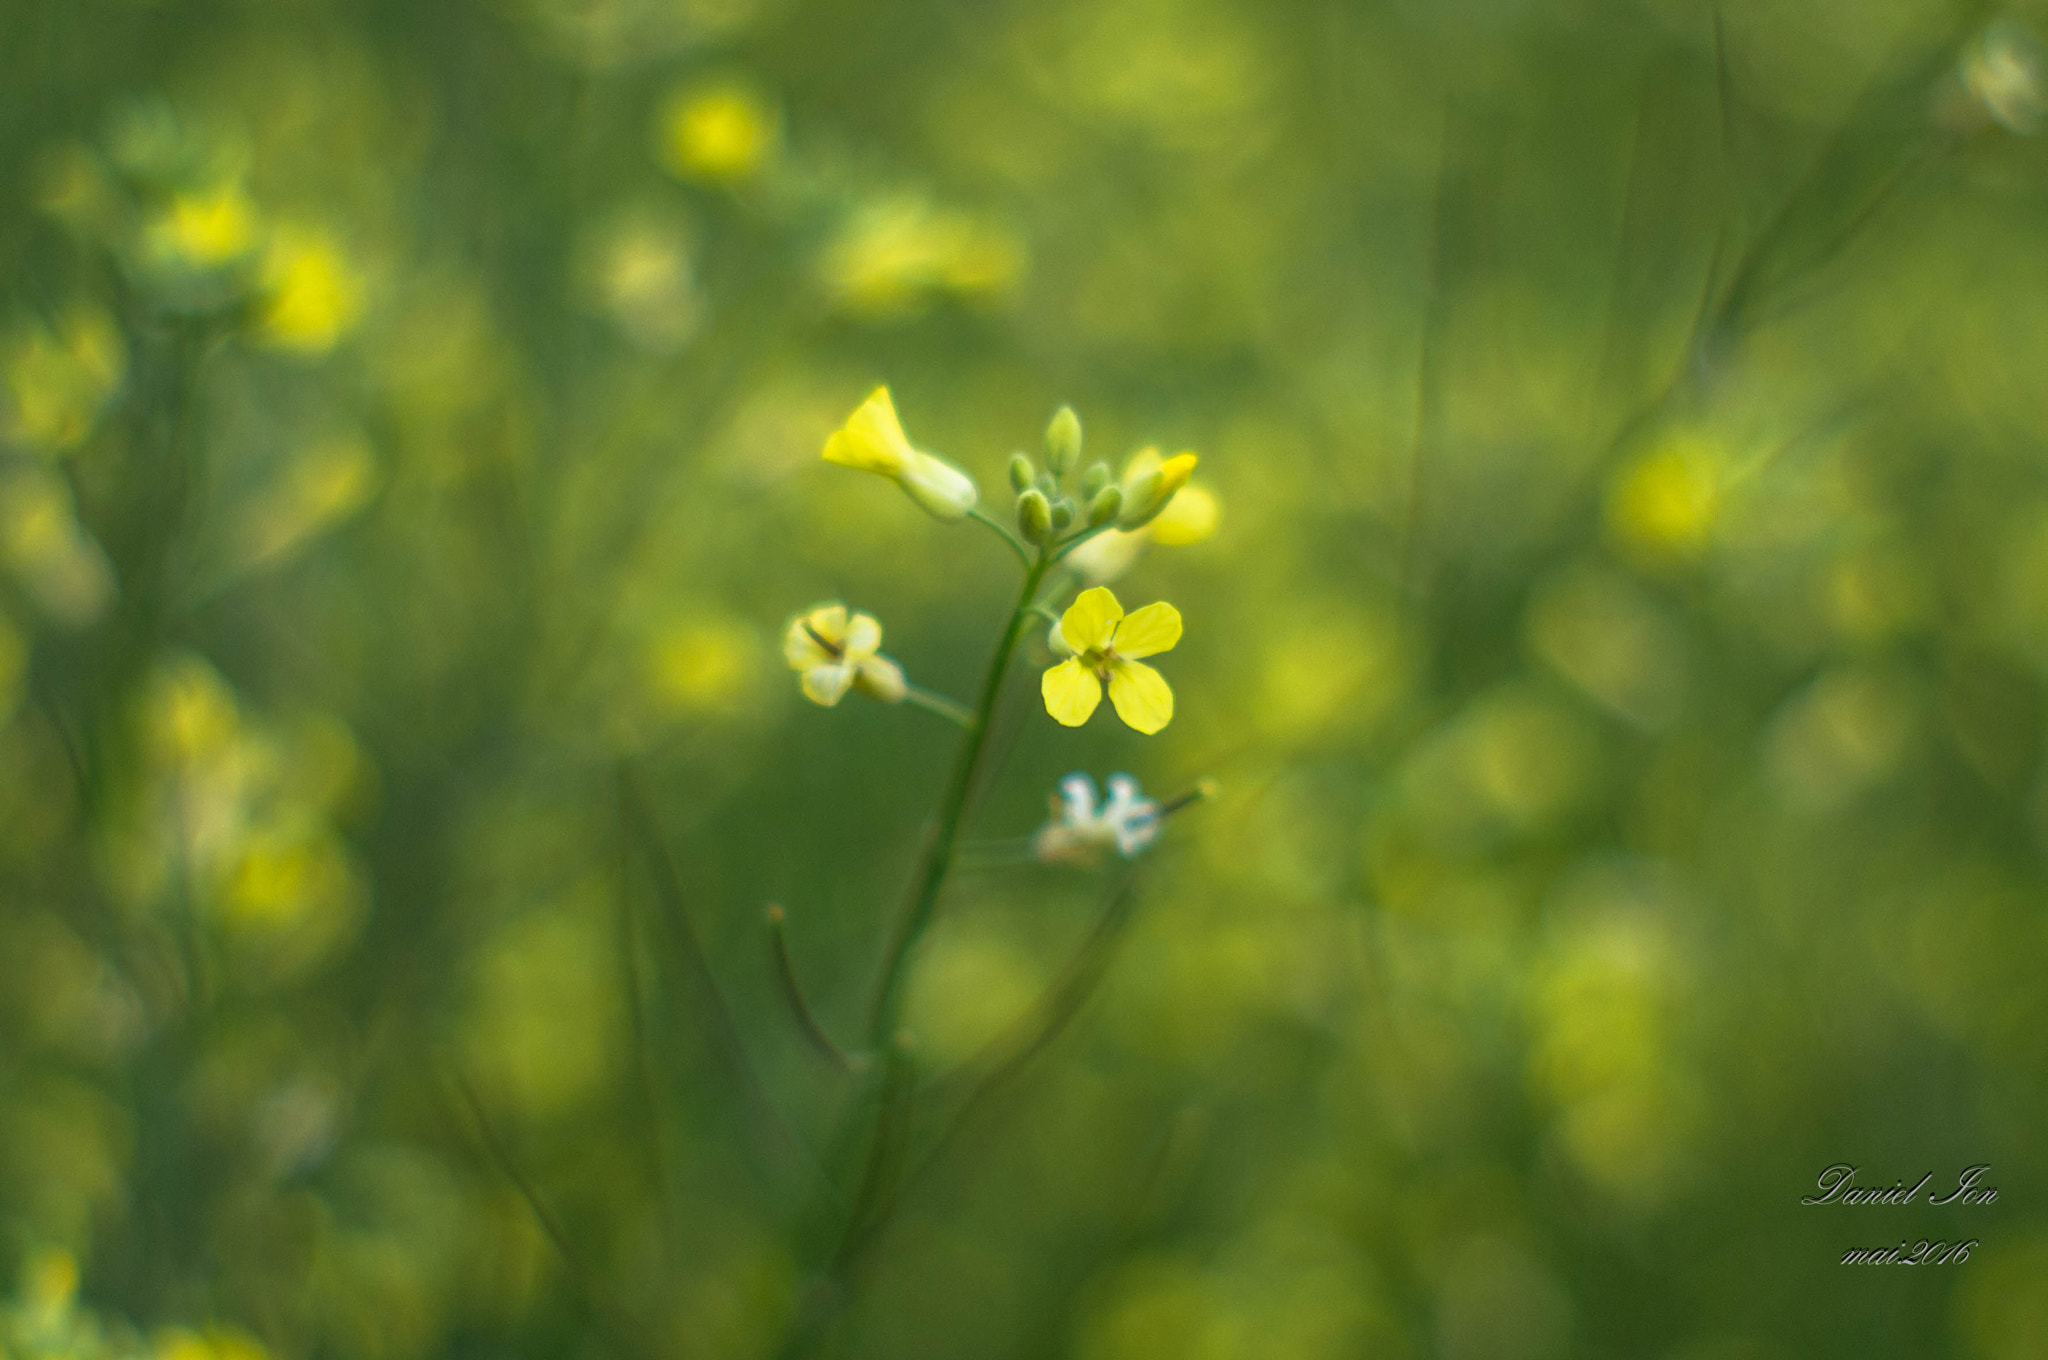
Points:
(1107, 644)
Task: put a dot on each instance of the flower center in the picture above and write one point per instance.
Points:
(830, 650)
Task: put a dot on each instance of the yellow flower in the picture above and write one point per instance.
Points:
(872, 440)
(205, 230)
(718, 132)
(314, 293)
(1107, 644)
(837, 651)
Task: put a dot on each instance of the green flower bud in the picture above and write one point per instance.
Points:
(1140, 496)
(1022, 474)
(1146, 496)
(1034, 516)
(1108, 501)
(1062, 513)
(1063, 441)
(1094, 479)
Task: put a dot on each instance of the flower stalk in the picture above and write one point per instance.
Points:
(937, 861)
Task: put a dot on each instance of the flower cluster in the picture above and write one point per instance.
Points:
(1060, 509)
(1059, 515)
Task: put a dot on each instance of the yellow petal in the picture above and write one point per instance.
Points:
(1090, 621)
(1071, 692)
(863, 637)
(1149, 631)
(1141, 695)
(1175, 471)
(1189, 517)
(872, 439)
(800, 644)
(827, 685)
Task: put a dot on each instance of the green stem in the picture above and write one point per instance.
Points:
(938, 854)
(1016, 543)
(950, 709)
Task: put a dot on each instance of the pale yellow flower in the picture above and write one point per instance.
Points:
(1107, 644)
(872, 440)
(836, 651)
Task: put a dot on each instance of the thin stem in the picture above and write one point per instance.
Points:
(1009, 1055)
(1016, 543)
(885, 1152)
(793, 994)
(627, 1334)
(938, 855)
(950, 709)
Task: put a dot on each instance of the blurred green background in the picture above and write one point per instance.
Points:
(1621, 658)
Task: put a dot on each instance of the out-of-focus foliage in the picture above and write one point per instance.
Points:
(1621, 652)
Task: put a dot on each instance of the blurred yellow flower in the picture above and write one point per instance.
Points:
(322, 486)
(314, 294)
(51, 1282)
(722, 132)
(703, 664)
(1107, 644)
(58, 563)
(894, 254)
(836, 651)
(1190, 517)
(205, 230)
(58, 382)
(872, 440)
(1667, 502)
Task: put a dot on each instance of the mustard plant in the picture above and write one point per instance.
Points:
(1060, 507)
